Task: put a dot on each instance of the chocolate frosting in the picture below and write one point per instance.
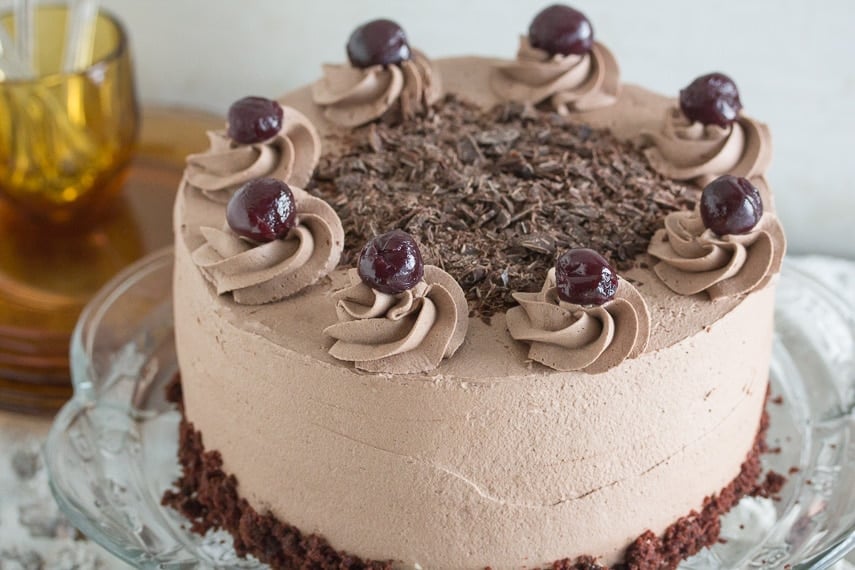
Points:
(570, 82)
(686, 150)
(262, 273)
(695, 259)
(352, 96)
(590, 338)
(622, 443)
(290, 156)
(400, 334)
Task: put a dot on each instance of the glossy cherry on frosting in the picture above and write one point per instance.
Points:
(584, 277)
(711, 99)
(254, 120)
(391, 263)
(731, 205)
(378, 42)
(262, 210)
(561, 30)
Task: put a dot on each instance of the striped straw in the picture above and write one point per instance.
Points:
(80, 35)
(25, 35)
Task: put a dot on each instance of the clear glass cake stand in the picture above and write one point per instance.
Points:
(112, 449)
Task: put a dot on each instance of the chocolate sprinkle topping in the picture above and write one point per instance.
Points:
(493, 197)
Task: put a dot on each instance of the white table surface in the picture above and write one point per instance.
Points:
(34, 535)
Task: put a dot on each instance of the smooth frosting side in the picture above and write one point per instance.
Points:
(528, 464)
(686, 150)
(400, 334)
(290, 156)
(351, 96)
(571, 82)
(695, 259)
(593, 339)
(262, 273)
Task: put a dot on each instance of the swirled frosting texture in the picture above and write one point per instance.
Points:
(570, 82)
(566, 336)
(400, 334)
(694, 259)
(686, 150)
(353, 96)
(261, 273)
(290, 156)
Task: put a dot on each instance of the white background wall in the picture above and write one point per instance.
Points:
(794, 62)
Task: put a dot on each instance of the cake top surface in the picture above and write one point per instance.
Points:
(494, 170)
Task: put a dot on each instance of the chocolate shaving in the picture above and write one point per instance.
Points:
(493, 197)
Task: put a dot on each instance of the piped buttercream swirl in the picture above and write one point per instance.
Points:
(404, 333)
(570, 82)
(590, 338)
(262, 273)
(686, 150)
(694, 259)
(353, 96)
(290, 156)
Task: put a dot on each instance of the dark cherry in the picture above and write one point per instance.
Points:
(254, 119)
(262, 210)
(378, 42)
(731, 205)
(711, 99)
(584, 277)
(391, 263)
(562, 30)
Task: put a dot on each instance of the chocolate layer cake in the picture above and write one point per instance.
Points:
(468, 312)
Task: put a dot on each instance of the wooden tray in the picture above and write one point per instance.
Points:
(47, 275)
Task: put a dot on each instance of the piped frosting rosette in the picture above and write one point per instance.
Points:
(257, 273)
(589, 338)
(690, 150)
(694, 259)
(570, 82)
(400, 333)
(290, 155)
(353, 96)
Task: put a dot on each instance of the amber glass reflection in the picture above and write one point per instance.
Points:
(66, 138)
(47, 276)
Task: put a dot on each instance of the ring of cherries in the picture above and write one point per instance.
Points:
(264, 209)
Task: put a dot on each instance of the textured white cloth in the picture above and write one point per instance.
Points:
(34, 535)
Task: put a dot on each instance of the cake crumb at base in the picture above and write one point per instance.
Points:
(209, 498)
